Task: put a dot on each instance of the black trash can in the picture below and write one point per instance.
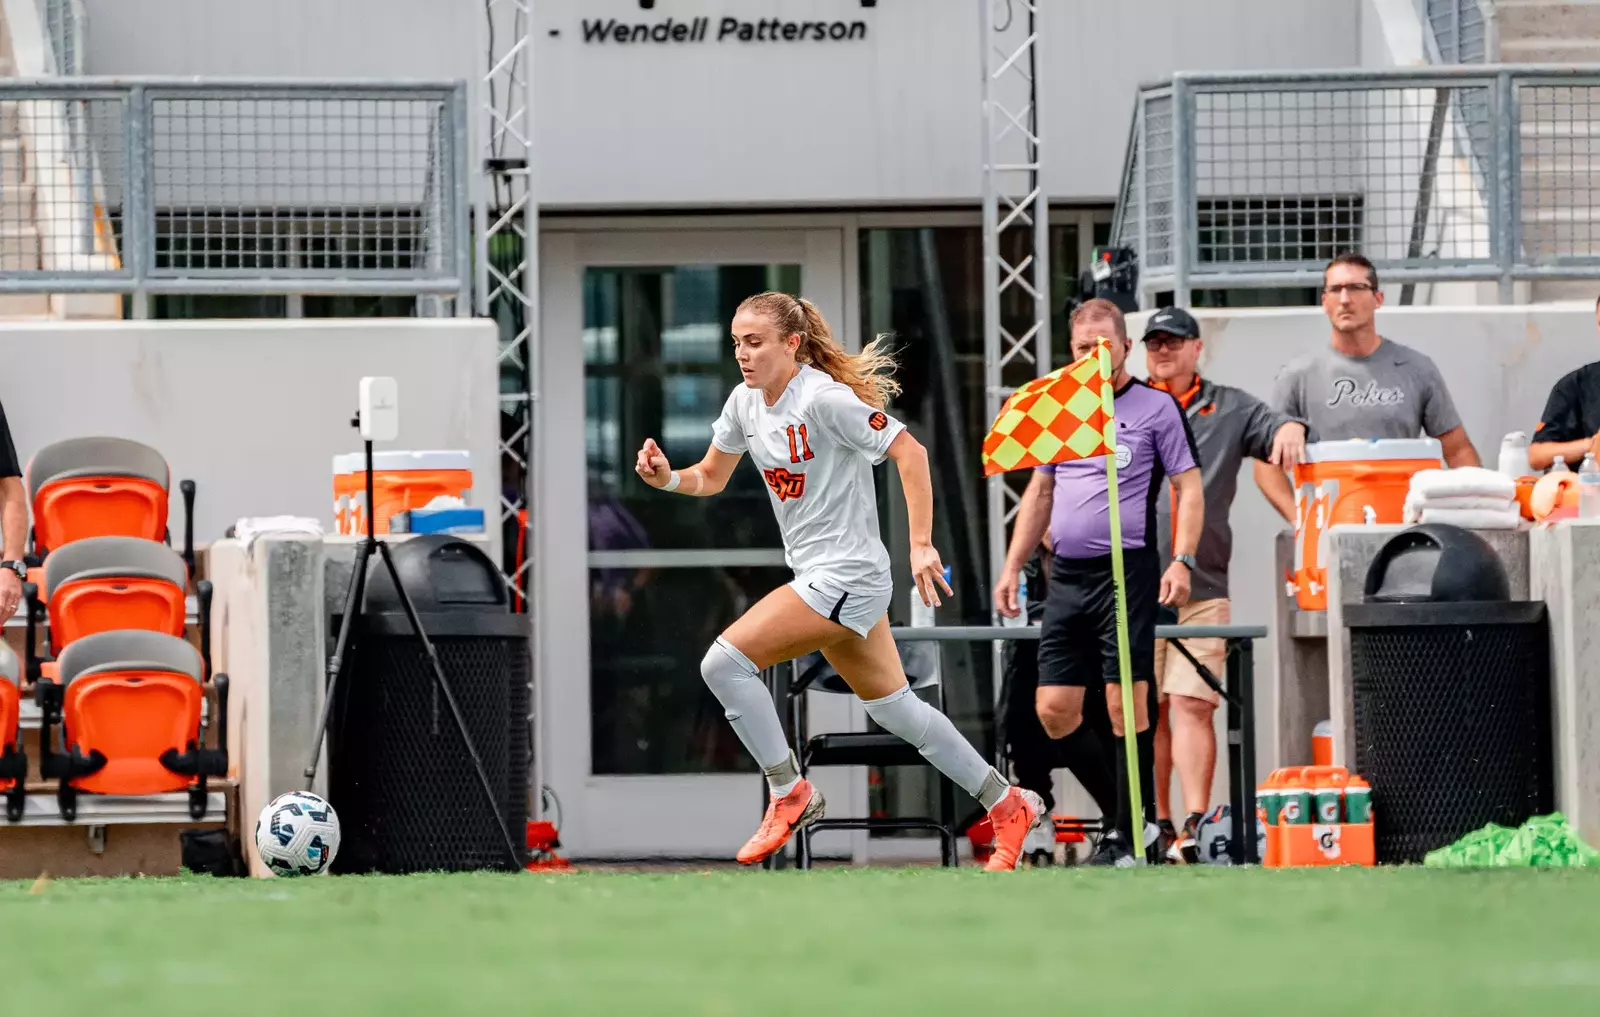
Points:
(408, 795)
(1451, 686)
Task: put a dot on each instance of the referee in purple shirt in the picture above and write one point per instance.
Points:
(1077, 636)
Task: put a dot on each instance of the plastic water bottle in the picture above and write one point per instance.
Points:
(1021, 620)
(1560, 465)
(1589, 488)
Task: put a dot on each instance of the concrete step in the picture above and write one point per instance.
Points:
(24, 305)
(16, 204)
(19, 248)
(1545, 292)
(1552, 184)
(1549, 51)
(1559, 111)
(1548, 19)
(1556, 232)
(13, 165)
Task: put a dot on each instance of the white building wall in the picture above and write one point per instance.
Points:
(254, 411)
(893, 118)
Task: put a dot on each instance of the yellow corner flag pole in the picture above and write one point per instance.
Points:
(1124, 663)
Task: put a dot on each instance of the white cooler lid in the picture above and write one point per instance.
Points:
(420, 460)
(1367, 449)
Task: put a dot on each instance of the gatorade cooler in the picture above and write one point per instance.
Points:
(401, 481)
(1359, 481)
(1316, 815)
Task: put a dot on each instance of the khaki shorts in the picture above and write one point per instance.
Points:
(1175, 676)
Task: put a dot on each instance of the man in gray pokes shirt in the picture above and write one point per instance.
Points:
(1229, 426)
(1363, 385)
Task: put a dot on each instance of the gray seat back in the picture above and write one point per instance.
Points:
(128, 650)
(90, 457)
(111, 558)
(10, 670)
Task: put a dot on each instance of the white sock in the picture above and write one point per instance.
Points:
(747, 704)
(931, 732)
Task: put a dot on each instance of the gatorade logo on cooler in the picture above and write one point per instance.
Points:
(1327, 838)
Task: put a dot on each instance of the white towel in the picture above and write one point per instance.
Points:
(1468, 481)
(246, 531)
(1474, 519)
(1415, 504)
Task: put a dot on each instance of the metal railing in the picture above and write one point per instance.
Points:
(194, 186)
(1462, 173)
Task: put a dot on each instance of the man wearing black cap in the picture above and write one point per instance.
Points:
(1229, 425)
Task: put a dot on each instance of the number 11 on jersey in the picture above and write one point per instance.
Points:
(795, 450)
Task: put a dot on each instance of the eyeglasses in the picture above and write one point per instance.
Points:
(1164, 342)
(1351, 288)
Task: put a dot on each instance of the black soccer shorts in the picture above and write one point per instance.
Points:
(1078, 634)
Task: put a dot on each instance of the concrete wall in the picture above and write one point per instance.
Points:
(1565, 567)
(254, 411)
(891, 118)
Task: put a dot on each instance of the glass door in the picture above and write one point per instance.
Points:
(638, 751)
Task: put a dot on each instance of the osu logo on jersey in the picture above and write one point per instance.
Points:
(784, 484)
(877, 421)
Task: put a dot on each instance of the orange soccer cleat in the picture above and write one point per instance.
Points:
(1012, 818)
(802, 806)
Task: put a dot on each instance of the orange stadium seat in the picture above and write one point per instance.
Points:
(129, 705)
(13, 764)
(106, 583)
(97, 487)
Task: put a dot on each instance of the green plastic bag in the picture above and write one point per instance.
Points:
(1541, 841)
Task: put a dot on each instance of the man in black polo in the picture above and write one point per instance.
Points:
(1569, 427)
(13, 523)
(1229, 426)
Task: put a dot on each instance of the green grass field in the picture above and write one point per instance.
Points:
(876, 941)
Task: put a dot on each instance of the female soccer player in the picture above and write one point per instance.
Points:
(811, 416)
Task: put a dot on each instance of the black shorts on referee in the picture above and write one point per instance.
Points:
(1078, 634)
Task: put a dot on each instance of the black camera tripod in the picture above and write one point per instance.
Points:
(355, 604)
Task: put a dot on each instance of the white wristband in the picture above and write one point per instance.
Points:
(672, 483)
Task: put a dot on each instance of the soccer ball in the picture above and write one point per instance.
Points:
(297, 834)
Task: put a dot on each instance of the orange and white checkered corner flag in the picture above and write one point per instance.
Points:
(1061, 416)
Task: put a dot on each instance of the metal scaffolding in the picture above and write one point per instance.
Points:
(1016, 239)
(506, 217)
(506, 269)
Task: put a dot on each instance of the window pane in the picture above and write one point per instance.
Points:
(648, 630)
(212, 305)
(659, 364)
(389, 306)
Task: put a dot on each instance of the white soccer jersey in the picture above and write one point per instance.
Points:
(816, 448)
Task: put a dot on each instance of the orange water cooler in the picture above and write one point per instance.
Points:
(1358, 481)
(400, 481)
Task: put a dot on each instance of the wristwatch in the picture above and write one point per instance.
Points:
(20, 568)
(1185, 559)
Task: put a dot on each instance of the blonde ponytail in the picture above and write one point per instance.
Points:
(866, 373)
